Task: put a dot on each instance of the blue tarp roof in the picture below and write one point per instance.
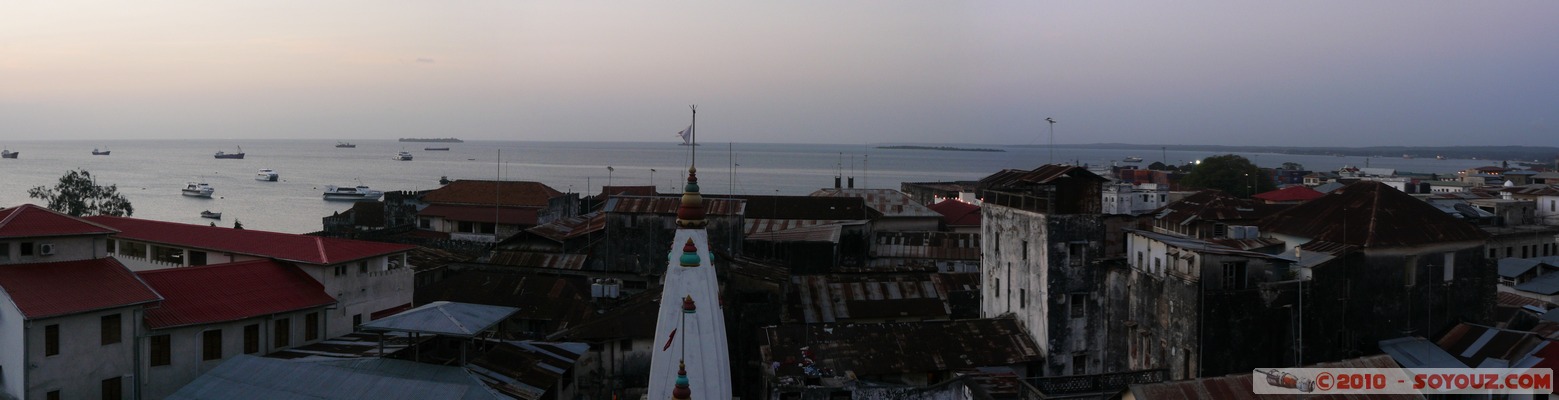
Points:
(247, 377)
(444, 318)
(1546, 284)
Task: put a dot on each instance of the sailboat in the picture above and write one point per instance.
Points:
(687, 136)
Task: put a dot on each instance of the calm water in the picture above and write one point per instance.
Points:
(150, 173)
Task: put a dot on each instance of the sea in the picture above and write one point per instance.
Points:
(150, 173)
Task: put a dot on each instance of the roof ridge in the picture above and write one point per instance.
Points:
(452, 319)
(15, 211)
(319, 243)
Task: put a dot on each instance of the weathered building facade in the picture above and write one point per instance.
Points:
(1041, 233)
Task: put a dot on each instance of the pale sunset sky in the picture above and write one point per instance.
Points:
(1306, 73)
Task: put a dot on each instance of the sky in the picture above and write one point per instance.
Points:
(1302, 73)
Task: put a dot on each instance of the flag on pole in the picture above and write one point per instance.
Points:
(686, 134)
(668, 340)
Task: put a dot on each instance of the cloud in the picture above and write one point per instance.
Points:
(424, 60)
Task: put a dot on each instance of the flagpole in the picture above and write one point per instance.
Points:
(693, 134)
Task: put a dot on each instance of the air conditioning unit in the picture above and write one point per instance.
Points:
(46, 249)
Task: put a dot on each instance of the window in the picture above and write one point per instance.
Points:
(1139, 260)
(197, 258)
(133, 249)
(111, 245)
(357, 320)
(339, 270)
(5, 250)
(1219, 230)
(1493, 254)
(1158, 265)
(1078, 303)
(997, 287)
(252, 339)
(997, 242)
(110, 328)
(1510, 251)
(311, 326)
(1079, 365)
(1234, 275)
(1450, 266)
(1023, 298)
(424, 223)
(362, 267)
(168, 255)
(625, 345)
(283, 328)
(51, 340)
(1025, 249)
(1077, 254)
(113, 388)
(26, 249)
(211, 345)
(465, 226)
(161, 350)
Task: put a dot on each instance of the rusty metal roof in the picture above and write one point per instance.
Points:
(888, 202)
(537, 260)
(482, 192)
(933, 245)
(807, 233)
(1238, 387)
(1371, 214)
(1475, 345)
(632, 318)
(897, 348)
(1214, 205)
(540, 297)
(668, 205)
(1043, 175)
(572, 227)
(755, 226)
(843, 298)
(804, 208)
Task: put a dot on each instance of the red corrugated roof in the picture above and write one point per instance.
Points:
(1291, 193)
(28, 220)
(508, 193)
(502, 215)
(230, 292)
(50, 289)
(957, 213)
(284, 246)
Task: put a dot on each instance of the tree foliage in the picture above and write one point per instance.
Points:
(79, 195)
(1230, 173)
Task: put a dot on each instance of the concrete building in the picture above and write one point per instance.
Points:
(484, 211)
(212, 313)
(1372, 263)
(69, 329)
(369, 280)
(1134, 199)
(1041, 233)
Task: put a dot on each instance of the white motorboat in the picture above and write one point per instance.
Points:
(198, 189)
(358, 193)
(209, 214)
(403, 156)
(267, 175)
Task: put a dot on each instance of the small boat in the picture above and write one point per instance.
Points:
(435, 148)
(209, 214)
(345, 145)
(267, 175)
(1132, 159)
(102, 152)
(358, 193)
(237, 156)
(1407, 156)
(7, 153)
(403, 156)
(198, 189)
(1439, 157)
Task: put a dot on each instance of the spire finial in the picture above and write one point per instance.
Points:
(689, 255)
(690, 215)
(688, 306)
(682, 391)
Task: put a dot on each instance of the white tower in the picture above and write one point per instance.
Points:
(690, 332)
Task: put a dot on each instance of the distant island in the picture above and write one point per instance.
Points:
(942, 148)
(433, 140)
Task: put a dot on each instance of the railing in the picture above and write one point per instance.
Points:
(1075, 385)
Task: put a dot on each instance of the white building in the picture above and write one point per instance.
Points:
(212, 313)
(369, 280)
(1134, 199)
